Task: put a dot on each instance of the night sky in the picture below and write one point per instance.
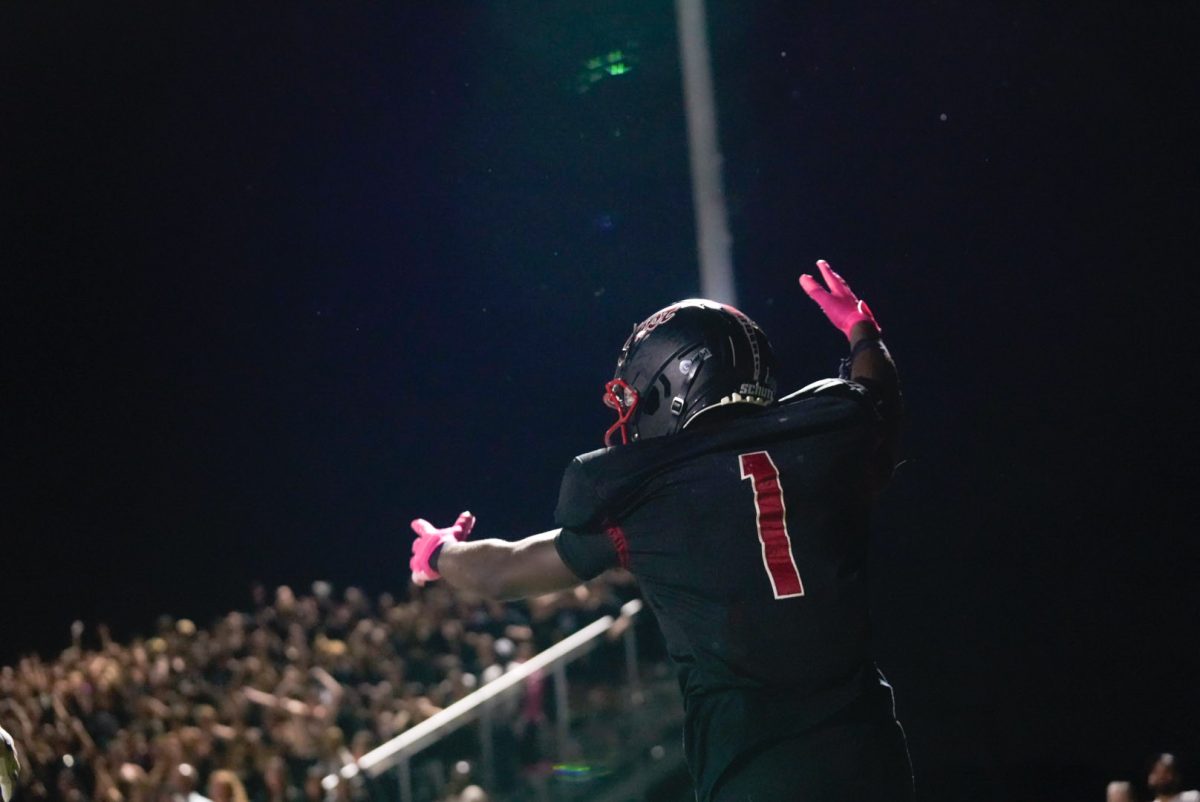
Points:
(278, 280)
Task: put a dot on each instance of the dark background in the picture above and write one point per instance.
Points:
(278, 280)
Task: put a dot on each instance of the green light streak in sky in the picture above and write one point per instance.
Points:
(612, 64)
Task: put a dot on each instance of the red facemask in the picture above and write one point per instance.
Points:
(624, 399)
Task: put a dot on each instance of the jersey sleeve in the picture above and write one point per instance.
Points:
(587, 554)
(884, 407)
(579, 502)
(886, 401)
(864, 392)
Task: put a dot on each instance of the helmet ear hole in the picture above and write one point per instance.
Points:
(650, 401)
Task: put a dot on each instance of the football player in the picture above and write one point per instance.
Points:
(744, 518)
(10, 766)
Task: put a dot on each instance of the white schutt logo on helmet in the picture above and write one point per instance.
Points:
(758, 391)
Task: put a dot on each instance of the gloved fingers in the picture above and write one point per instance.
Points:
(813, 287)
(827, 302)
(460, 530)
(465, 523)
(837, 284)
(423, 528)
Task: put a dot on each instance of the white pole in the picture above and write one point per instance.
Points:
(713, 242)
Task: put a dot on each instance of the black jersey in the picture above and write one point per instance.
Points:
(748, 539)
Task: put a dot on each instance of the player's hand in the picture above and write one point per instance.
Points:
(839, 303)
(429, 538)
(10, 765)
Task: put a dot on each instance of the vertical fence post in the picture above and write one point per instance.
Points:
(405, 775)
(485, 748)
(560, 702)
(631, 662)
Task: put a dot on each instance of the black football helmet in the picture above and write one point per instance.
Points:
(683, 360)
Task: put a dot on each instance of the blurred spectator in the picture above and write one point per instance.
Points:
(1166, 781)
(1120, 791)
(531, 718)
(473, 793)
(184, 782)
(313, 792)
(277, 784)
(224, 786)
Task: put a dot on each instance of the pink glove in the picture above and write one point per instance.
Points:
(839, 304)
(429, 538)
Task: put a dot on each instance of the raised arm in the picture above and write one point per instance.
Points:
(870, 362)
(496, 569)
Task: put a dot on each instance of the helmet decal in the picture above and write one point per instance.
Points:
(657, 319)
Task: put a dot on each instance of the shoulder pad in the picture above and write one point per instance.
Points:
(578, 501)
(599, 485)
(827, 387)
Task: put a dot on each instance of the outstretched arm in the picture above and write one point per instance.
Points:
(497, 569)
(500, 569)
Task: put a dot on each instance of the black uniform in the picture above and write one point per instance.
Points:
(748, 539)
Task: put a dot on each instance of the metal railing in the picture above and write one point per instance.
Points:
(399, 751)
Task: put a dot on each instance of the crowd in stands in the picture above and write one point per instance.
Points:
(262, 705)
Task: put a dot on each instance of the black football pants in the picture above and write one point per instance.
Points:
(843, 761)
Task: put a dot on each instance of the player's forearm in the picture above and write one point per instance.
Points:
(873, 362)
(475, 565)
(501, 569)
